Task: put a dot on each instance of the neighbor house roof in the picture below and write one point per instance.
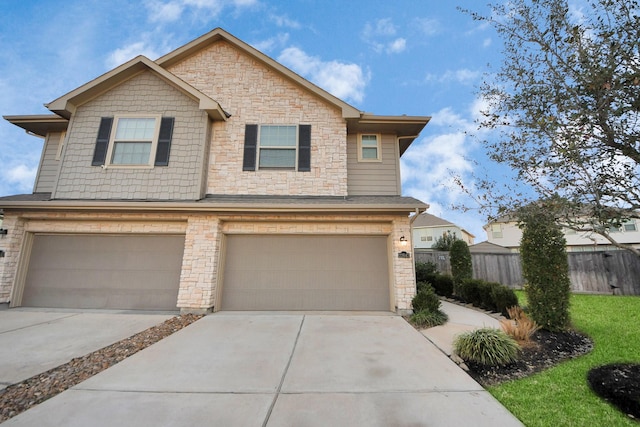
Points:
(428, 220)
(488, 247)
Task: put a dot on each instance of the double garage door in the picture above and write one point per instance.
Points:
(259, 272)
(305, 272)
(102, 271)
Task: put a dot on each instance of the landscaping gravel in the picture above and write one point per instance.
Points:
(21, 396)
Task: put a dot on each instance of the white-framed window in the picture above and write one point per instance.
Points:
(429, 238)
(496, 231)
(369, 147)
(630, 225)
(423, 238)
(277, 147)
(133, 140)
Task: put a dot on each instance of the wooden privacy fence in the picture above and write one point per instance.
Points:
(591, 272)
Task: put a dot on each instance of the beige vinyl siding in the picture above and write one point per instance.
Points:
(48, 169)
(373, 178)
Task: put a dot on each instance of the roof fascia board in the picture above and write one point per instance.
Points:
(66, 105)
(217, 34)
(212, 207)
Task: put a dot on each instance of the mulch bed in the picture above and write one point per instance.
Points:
(19, 397)
(545, 350)
(619, 384)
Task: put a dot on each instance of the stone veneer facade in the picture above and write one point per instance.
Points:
(204, 232)
(256, 94)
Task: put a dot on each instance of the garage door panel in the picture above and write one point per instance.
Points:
(306, 272)
(115, 272)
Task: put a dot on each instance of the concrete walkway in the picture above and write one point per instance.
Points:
(266, 369)
(461, 319)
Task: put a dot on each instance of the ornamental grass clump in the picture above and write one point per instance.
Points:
(487, 346)
(429, 319)
(519, 326)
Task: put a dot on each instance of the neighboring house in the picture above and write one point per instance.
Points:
(213, 178)
(488, 248)
(428, 228)
(505, 232)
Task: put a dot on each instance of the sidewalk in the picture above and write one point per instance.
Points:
(461, 319)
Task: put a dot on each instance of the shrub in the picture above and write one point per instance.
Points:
(545, 268)
(488, 295)
(426, 299)
(487, 346)
(425, 271)
(428, 319)
(460, 259)
(520, 327)
(503, 298)
(443, 285)
(470, 291)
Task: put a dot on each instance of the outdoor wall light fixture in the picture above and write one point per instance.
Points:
(3, 231)
(403, 241)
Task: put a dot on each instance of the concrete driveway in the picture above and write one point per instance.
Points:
(34, 341)
(258, 369)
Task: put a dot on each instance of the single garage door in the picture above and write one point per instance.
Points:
(303, 272)
(100, 271)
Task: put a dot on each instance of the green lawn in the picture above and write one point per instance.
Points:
(561, 396)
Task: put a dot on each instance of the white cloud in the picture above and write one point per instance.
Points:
(397, 46)
(432, 162)
(462, 76)
(284, 21)
(344, 80)
(378, 33)
(171, 11)
(272, 43)
(486, 42)
(20, 177)
(123, 54)
(428, 26)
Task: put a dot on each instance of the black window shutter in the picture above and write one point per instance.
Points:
(164, 141)
(304, 148)
(250, 146)
(102, 141)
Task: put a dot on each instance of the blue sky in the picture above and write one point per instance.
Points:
(414, 57)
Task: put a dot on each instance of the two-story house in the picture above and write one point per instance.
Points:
(213, 178)
(505, 232)
(427, 229)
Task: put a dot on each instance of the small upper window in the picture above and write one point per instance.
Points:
(496, 231)
(630, 226)
(369, 149)
(277, 147)
(133, 140)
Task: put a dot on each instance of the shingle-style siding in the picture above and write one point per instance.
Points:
(48, 169)
(374, 178)
(255, 94)
(144, 94)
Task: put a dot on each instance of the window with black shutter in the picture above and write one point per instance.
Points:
(280, 147)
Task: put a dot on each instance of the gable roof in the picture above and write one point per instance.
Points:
(218, 34)
(66, 105)
(428, 220)
(488, 247)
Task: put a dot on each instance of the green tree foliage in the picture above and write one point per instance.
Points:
(563, 110)
(444, 242)
(460, 258)
(545, 268)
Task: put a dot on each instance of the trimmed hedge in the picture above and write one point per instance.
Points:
(488, 295)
